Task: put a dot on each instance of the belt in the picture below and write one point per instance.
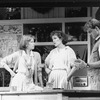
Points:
(22, 73)
(59, 69)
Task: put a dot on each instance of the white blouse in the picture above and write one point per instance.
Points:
(61, 59)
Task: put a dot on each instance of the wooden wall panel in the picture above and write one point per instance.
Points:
(57, 12)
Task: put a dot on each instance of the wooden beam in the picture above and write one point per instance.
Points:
(49, 3)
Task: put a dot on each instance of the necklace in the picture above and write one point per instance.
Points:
(28, 62)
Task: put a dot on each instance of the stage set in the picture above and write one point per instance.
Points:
(56, 18)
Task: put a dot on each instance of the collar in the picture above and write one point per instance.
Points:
(31, 54)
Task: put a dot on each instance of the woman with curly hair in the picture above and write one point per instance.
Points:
(60, 62)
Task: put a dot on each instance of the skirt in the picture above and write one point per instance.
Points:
(22, 83)
(58, 79)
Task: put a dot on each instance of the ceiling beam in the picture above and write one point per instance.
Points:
(49, 3)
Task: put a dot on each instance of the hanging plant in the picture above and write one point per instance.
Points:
(42, 10)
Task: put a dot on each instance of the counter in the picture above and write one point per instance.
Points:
(56, 94)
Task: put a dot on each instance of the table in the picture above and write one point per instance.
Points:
(52, 95)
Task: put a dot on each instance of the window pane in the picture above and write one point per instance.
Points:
(42, 31)
(75, 31)
(44, 50)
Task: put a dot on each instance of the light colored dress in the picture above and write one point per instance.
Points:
(60, 62)
(23, 80)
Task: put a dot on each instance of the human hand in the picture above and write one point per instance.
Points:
(68, 78)
(48, 70)
(12, 74)
(80, 64)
